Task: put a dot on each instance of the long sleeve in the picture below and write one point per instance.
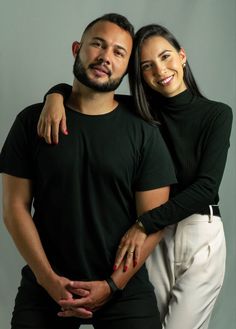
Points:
(209, 167)
(62, 88)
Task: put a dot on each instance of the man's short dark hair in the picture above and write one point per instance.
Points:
(117, 19)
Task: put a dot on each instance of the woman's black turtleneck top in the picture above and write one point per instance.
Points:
(197, 132)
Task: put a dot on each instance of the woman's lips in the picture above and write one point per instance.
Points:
(165, 81)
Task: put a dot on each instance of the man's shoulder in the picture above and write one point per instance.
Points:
(30, 114)
(127, 104)
(126, 99)
(31, 111)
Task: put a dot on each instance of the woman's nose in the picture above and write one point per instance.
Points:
(159, 69)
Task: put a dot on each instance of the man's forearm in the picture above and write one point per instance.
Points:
(24, 233)
(17, 200)
(145, 201)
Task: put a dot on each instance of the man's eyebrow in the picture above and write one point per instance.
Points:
(121, 48)
(117, 45)
(98, 38)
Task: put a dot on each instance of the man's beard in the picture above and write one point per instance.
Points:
(81, 75)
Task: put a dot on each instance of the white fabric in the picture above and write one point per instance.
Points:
(187, 270)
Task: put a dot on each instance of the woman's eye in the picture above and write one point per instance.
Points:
(165, 56)
(145, 67)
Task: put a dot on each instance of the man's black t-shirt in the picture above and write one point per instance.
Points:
(84, 187)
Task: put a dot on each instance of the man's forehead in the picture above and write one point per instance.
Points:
(109, 32)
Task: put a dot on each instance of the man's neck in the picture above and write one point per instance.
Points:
(88, 101)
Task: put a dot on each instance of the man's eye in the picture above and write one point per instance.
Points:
(96, 44)
(119, 53)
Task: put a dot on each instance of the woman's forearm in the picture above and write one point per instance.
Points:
(121, 277)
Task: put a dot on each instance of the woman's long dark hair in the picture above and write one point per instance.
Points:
(143, 95)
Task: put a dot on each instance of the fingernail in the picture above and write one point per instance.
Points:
(66, 132)
(114, 267)
(125, 268)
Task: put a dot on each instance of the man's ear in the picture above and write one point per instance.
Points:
(75, 48)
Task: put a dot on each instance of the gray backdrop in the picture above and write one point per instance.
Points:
(35, 53)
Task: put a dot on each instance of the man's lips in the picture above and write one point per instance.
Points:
(101, 69)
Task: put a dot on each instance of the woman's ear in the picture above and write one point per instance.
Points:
(75, 48)
(183, 56)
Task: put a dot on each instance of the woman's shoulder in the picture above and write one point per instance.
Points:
(213, 104)
(215, 108)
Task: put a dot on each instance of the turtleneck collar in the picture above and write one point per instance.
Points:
(184, 98)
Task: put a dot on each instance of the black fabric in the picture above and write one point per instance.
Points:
(34, 309)
(197, 133)
(84, 186)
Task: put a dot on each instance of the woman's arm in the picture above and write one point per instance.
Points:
(100, 292)
(204, 189)
(53, 118)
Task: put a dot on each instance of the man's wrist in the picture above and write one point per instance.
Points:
(115, 291)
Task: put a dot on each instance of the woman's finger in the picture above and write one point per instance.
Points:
(55, 132)
(63, 125)
(129, 258)
(120, 256)
(47, 133)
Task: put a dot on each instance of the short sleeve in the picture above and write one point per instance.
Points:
(15, 157)
(155, 168)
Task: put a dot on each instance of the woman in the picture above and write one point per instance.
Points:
(188, 267)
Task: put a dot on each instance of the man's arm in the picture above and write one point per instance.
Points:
(136, 239)
(17, 200)
(99, 290)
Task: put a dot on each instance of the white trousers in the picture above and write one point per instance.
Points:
(187, 270)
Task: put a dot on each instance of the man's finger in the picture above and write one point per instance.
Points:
(79, 313)
(80, 285)
(73, 303)
(79, 292)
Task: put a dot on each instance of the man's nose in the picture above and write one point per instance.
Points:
(105, 55)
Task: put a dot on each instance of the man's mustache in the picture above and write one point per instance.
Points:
(101, 65)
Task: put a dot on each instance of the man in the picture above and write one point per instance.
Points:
(84, 191)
